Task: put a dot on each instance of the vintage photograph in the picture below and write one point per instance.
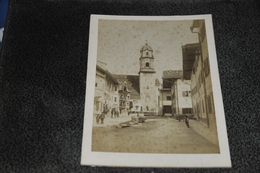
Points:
(152, 88)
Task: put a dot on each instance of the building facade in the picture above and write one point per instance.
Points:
(165, 102)
(129, 94)
(181, 98)
(175, 97)
(196, 68)
(106, 90)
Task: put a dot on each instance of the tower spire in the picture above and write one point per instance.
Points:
(148, 90)
(146, 59)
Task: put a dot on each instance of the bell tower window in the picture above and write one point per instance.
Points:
(147, 64)
(147, 53)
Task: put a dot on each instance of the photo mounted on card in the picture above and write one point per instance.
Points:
(153, 96)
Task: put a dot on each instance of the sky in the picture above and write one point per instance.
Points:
(120, 42)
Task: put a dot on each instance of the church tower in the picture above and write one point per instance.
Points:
(148, 88)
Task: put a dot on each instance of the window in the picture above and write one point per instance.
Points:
(147, 87)
(168, 98)
(115, 88)
(146, 53)
(206, 66)
(147, 64)
(95, 84)
(186, 110)
(185, 93)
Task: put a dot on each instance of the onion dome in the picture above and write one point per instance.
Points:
(146, 47)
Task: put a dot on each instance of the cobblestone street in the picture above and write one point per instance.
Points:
(157, 135)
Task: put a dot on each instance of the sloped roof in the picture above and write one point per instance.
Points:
(109, 75)
(134, 79)
(169, 74)
(189, 52)
(168, 82)
(132, 84)
(146, 47)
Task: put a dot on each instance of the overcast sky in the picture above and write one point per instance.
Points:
(120, 41)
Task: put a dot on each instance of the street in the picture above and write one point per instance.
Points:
(156, 135)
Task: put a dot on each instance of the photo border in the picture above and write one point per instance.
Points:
(91, 158)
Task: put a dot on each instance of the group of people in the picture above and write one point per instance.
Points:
(101, 117)
(114, 113)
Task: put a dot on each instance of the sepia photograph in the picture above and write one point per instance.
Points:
(150, 92)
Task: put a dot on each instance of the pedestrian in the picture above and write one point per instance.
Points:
(114, 112)
(111, 113)
(187, 121)
(102, 117)
(97, 118)
(117, 113)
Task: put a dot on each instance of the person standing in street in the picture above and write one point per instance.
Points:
(111, 113)
(97, 118)
(117, 113)
(102, 116)
(187, 121)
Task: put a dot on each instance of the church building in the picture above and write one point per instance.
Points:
(129, 93)
(148, 86)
